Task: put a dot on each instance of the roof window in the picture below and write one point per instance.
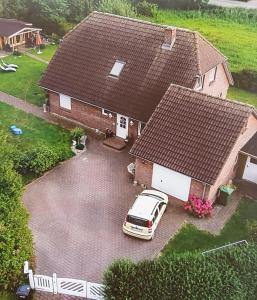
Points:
(117, 68)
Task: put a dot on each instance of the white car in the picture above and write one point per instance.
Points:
(145, 214)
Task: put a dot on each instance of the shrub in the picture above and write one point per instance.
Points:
(147, 9)
(246, 79)
(37, 160)
(15, 236)
(181, 4)
(198, 207)
(76, 134)
(16, 53)
(117, 7)
(185, 276)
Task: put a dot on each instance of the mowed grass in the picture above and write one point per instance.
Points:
(24, 83)
(47, 53)
(36, 132)
(237, 41)
(242, 96)
(189, 238)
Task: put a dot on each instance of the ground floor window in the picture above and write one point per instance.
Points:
(65, 101)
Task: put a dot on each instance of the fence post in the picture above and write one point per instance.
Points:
(55, 289)
(31, 279)
(26, 267)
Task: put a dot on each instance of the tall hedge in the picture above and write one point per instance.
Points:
(186, 276)
(15, 236)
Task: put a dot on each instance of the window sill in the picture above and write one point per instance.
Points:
(65, 109)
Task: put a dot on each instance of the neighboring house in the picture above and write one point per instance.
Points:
(192, 142)
(14, 33)
(112, 71)
(248, 161)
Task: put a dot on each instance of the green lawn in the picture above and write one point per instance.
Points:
(237, 41)
(242, 95)
(48, 52)
(35, 131)
(189, 238)
(24, 82)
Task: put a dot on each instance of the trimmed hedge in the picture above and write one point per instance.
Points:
(246, 79)
(229, 274)
(15, 236)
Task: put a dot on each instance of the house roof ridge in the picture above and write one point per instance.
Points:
(197, 53)
(228, 100)
(141, 21)
(210, 44)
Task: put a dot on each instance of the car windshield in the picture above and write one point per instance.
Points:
(137, 221)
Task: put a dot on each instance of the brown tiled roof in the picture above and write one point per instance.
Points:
(11, 26)
(82, 64)
(192, 133)
(251, 147)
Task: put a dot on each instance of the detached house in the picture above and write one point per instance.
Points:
(112, 71)
(14, 33)
(122, 74)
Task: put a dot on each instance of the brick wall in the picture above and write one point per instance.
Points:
(89, 115)
(230, 167)
(219, 86)
(143, 172)
(143, 175)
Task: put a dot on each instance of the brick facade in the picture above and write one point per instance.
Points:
(219, 87)
(89, 115)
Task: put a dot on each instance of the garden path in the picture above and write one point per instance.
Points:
(252, 4)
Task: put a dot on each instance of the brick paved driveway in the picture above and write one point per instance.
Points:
(77, 211)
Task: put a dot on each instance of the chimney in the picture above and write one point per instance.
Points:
(169, 37)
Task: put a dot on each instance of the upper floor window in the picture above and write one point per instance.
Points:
(117, 68)
(199, 83)
(65, 101)
(212, 74)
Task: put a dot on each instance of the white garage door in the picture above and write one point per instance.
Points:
(171, 182)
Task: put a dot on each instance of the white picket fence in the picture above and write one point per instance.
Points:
(67, 286)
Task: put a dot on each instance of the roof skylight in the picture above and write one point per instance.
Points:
(117, 68)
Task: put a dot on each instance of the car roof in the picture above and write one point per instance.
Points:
(143, 207)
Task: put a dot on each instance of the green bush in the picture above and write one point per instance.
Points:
(186, 276)
(15, 236)
(37, 160)
(180, 4)
(147, 9)
(246, 79)
(117, 7)
(76, 134)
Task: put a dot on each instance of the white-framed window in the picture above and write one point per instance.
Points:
(65, 101)
(212, 74)
(105, 112)
(199, 83)
(117, 68)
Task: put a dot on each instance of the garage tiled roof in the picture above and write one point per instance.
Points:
(11, 26)
(192, 133)
(251, 147)
(82, 64)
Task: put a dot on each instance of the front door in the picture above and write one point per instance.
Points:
(122, 126)
(250, 172)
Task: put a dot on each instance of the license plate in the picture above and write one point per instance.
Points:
(136, 228)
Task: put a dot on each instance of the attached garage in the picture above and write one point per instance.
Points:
(171, 182)
(250, 171)
(250, 151)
